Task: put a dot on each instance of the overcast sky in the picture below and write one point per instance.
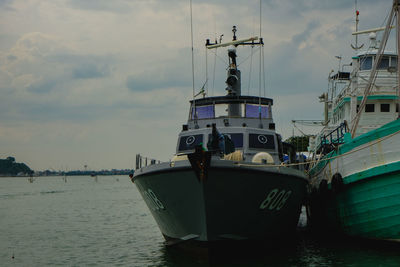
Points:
(93, 82)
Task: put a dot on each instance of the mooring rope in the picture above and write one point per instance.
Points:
(323, 159)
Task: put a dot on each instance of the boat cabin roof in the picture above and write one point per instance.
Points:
(374, 52)
(232, 100)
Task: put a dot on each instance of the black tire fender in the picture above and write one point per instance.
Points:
(323, 187)
(337, 183)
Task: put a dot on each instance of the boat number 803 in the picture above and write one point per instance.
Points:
(275, 199)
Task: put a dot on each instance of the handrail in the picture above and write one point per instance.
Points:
(144, 161)
(339, 131)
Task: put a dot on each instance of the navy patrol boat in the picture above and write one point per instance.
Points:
(228, 179)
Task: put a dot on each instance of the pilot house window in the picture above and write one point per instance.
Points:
(384, 64)
(385, 107)
(203, 112)
(370, 108)
(393, 62)
(254, 111)
(366, 63)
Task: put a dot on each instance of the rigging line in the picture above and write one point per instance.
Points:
(387, 16)
(373, 72)
(215, 64)
(353, 151)
(220, 58)
(263, 66)
(373, 84)
(206, 84)
(251, 57)
(247, 58)
(321, 159)
(259, 78)
(251, 65)
(398, 54)
(215, 56)
(191, 33)
(295, 126)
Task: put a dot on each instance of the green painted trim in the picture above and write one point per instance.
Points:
(371, 97)
(351, 144)
(373, 172)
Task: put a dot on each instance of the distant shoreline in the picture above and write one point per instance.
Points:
(58, 175)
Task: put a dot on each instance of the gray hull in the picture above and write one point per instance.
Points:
(233, 203)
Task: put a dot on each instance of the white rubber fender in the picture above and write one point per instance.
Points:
(263, 157)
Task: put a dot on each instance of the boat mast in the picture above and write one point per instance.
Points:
(396, 8)
(233, 80)
(356, 47)
(372, 76)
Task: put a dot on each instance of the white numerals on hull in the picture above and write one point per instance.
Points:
(155, 203)
(275, 199)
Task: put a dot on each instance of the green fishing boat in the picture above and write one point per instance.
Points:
(355, 171)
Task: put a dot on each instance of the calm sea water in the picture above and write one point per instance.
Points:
(84, 222)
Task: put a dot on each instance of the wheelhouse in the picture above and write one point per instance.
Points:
(388, 61)
(231, 111)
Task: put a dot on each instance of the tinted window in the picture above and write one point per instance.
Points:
(190, 141)
(394, 61)
(366, 63)
(369, 107)
(385, 107)
(384, 64)
(237, 138)
(264, 141)
(253, 111)
(203, 112)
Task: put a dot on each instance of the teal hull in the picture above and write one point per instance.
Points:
(357, 201)
(369, 208)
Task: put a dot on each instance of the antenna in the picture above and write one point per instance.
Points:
(191, 33)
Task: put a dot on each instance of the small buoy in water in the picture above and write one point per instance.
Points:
(12, 256)
(131, 177)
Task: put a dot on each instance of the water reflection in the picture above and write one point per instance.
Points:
(304, 249)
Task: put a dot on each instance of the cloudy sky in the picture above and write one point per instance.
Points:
(93, 82)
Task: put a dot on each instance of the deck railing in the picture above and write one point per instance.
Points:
(144, 161)
(335, 137)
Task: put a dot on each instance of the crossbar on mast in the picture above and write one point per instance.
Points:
(237, 42)
(372, 30)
